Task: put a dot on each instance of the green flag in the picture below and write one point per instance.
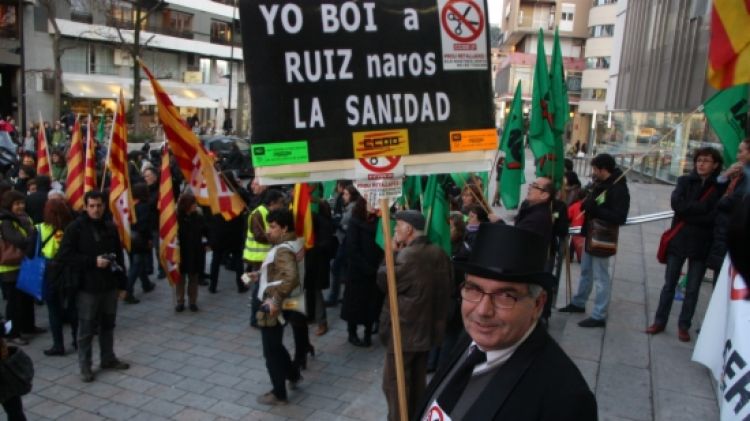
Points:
(435, 210)
(100, 130)
(541, 140)
(329, 189)
(727, 113)
(512, 176)
(560, 110)
(379, 239)
(412, 192)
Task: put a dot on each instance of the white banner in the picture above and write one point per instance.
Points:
(724, 343)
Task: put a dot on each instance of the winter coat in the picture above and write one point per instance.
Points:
(226, 235)
(142, 229)
(318, 258)
(283, 268)
(85, 239)
(615, 206)
(724, 209)
(694, 239)
(536, 218)
(192, 229)
(362, 299)
(424, 281)
(18, 231)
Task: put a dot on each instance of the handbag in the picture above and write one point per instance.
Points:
(16, 374)
(10, 255)
(296, 301)
(669, 234)
(601, 238)
(31, 274)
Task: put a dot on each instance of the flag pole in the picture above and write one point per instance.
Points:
(109, 145)
(393, 304)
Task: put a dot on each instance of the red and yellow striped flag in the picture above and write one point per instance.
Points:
(42, 154)
(89, 172)
(74, 181)
(193, 160)
(169, 247)
(729, 48)
(301, 208)
(120, 195)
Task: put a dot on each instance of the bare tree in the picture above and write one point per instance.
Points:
(50, 6)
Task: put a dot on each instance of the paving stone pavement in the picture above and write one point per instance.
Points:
(209, 365)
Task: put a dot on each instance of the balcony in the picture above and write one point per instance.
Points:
(128, 24)
(81, 16)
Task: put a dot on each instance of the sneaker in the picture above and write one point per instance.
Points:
(270, 399)
(116, 365)
(572, 308)
(179, 308)
(590, 322)
(87, 376)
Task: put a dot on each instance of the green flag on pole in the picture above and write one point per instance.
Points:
(100, 130)
(541, 139)
(329, 189)
(727, 113)
(435, 210)
(512, 176)
(412, 192)
(560, 109)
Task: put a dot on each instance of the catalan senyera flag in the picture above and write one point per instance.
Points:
(89, 172)
(193, 159)
(302, 210)
(169, 246)
(42, 154)
(120, 195)
(74, 181)
(729, 47)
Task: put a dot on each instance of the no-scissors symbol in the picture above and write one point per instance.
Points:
(463, 20)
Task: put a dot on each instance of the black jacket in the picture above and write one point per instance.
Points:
(362, 298)
(536, 218)
(35, 205)
(724, 209)
(694, 239)
(539, 382)
(614, 209)
(143, 228)
(85, 239)
(191, 230)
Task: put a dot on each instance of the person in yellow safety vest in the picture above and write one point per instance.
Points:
(59, 293)
(256, 242)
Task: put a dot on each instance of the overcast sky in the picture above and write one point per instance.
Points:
(496, 10)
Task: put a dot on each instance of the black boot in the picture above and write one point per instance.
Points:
(353, 338)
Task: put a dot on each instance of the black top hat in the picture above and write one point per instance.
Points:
(508, 254)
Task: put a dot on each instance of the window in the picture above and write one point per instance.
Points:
(8, 22)
(221, 32)
(600, 31)
(573, 82)
(80, 11)
(567, 13)
(205, 65)
(177, 23)
(597, 62)
(593, 94)
(604, 2)
(122, 15)
(222, 68)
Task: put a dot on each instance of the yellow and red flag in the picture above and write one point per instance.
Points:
(193, 159)
(120, 195)
(301, 208)
(74, 181)
(89, 172)
(169, 246)
(729, 48)
(42, 154)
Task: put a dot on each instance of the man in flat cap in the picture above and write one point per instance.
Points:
(507, 367)
(423, 279)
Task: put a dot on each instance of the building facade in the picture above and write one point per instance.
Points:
(192, 46)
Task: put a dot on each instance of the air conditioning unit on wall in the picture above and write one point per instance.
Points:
(123, 58)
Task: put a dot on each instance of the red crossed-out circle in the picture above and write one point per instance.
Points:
(459, 19)
(372, 164)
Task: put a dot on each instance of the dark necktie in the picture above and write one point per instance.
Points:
(455, 388)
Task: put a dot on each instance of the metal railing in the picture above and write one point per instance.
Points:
(648, 165)
(634, 220)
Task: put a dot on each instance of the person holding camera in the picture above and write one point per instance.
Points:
(91, 246)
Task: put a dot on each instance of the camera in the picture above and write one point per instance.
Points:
(112, 258)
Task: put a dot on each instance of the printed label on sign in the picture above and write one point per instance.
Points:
(436, 413)
(381, 143)
(269, 154)
(378, 167)
(463, 33)
(473, 140)
(373, 190)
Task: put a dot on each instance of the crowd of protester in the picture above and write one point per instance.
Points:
(87, 268)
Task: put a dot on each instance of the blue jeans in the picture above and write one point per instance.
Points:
(594, 270)
(138, 269)
(695, 273)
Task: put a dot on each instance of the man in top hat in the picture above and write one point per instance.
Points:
(423, 283)
(507, 367)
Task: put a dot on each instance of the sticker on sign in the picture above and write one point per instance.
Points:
(463, 34)
(374, 190)
(378, 167)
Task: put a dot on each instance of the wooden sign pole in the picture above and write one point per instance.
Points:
(393, 303)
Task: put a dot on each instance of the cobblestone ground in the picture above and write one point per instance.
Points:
(209, 365)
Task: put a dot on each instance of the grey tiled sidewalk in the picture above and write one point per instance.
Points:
(209, 365)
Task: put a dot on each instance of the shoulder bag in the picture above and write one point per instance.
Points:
(601, 238)
(31, 275)
(10, 255)
(668, 235)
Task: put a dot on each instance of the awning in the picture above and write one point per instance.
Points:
(94, 89)
(181, 95)
(180, 101)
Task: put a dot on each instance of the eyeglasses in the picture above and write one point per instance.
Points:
(538, 187)
(704, 161)
(500, 299)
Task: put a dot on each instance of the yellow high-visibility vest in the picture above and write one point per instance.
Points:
(255, 251)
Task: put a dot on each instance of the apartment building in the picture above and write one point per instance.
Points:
(192, 46)
(598, 55)
(521, 22)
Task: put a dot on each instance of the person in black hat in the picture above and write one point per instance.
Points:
(507, 367)
(424, 276)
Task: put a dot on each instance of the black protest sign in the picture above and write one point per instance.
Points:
(353, 79)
